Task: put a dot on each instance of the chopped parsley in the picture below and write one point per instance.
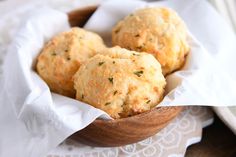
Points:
(139, 47)
(101, 63)
(135, 54)
(117, 31)
(108, 103)
(148, 101)
(111, 79)
(115, 92)
(138, 73)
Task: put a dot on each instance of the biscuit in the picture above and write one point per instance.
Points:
(62, 56)
(120, 82)
(158, 31)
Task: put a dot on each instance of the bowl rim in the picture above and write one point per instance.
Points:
(138, 116)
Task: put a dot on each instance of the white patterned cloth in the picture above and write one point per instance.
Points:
(172, 141)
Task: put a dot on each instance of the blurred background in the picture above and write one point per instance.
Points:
(226, 7)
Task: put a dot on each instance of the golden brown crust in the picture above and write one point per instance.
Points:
(159, 31)
(62, 57)
(121, 82)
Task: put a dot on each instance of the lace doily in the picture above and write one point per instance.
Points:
(172, 141)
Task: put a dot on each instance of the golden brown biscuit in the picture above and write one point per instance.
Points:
(62, 57)
(159, 31)
(120, 82)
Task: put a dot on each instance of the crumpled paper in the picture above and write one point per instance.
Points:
(34, 120)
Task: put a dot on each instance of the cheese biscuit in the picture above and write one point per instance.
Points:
(120, 82)
(63, 55)
(158, 31)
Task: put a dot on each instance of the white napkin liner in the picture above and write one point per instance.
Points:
(36, 120)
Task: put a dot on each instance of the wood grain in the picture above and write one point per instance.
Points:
(129, 130)
(110, 133)
(80, 16)
(217, 141)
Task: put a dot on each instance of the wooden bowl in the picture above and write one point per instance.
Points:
(111, 133)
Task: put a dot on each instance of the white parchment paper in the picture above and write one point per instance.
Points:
(203, 80)
(33, 120)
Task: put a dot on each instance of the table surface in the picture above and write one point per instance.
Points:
(217, 141)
